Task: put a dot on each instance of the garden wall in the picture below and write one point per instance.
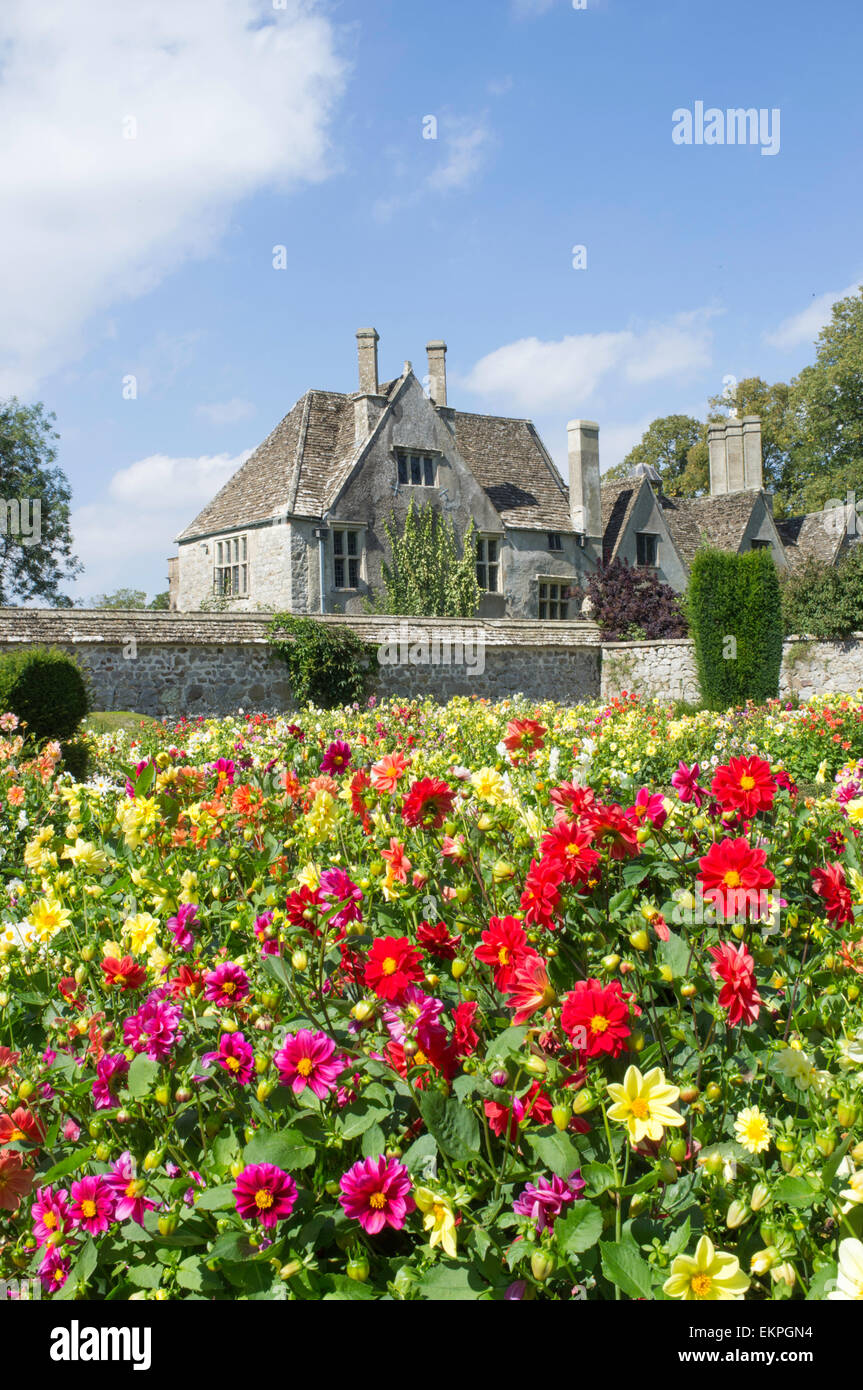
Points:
(215, 663)
(667, 669)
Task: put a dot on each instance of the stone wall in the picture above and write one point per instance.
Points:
(215, 663)
(667, 669)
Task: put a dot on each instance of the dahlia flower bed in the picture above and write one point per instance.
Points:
(425, 1002)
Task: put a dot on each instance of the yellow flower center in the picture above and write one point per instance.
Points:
(263, 1199)
(732, 879)
(572, 849)
(119, 979)
(134, 1187)
(747, 782)
(16, 1136)
(639, 1108)
(389, 966)
(49, 1220)
(88, 1208)
(598, 1024)
(304, 1066)
(503, 955)
(377, 1201)
(420, 1059)
(233, 1063)
(701, 1285)
(440, 1212)
(228, 987)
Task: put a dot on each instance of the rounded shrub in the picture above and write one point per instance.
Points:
(44, 686)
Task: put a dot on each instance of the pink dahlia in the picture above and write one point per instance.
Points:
(544, 1201)
(109, 1073)
(235, 1056)
(265, 1193)
(306, 1059)
(337, 889)
(128, 1188)
(153, 1029)
(375, 1192)
(226, 985)
(92, 1205)
(181, 926)
(54, 1270)
(51, 1216)
(336, 758)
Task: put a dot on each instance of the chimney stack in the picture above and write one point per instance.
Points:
(437, 371)
(585, 504)
(367, 352)
(734, 447)
(753, 471)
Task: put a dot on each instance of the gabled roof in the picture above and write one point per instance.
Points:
(816, 536)
(509, 461)
(303, 464)
(719, 521)
(617, 500)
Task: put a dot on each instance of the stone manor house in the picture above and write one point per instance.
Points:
(300, 526)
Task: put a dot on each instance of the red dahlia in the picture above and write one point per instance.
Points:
(830, 884)
(601, 1013)
(428, 803)
(392, 965)
(502, 945)
(732, 875)
(744, 784)
(738, 995)
(570, 845)
(541, 895)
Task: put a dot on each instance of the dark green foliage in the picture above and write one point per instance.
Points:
(735, 617)
(44, 686)
(327, 664)
(824, 601)
(76, 758)
(35, 536)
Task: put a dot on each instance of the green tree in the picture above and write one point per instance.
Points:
(427, 577)
(35, 539)
(826, 412)
(667, 445)
(121, 598)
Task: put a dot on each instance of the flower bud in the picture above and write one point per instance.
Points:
(784, 1273)
(760, 1197)
(542, 1265)
(582, 1101)
(736, 1215)
(763, 1260)
(458, 968)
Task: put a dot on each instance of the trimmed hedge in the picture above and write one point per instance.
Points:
(735, 616)
(45, 687)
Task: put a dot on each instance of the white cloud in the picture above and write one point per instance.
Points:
(125, 539)
(533, 375)
(805, 326)
(223, 99)
(227, 412)
(462, 144)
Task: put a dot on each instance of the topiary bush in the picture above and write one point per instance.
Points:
(735, 616)
(45, 687)
(328, 665)
(633, 605)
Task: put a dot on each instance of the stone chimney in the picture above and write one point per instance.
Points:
(753, 470)
(437, 371)
(585, 505)
(367, 403)
(734, 447)
(367, 352)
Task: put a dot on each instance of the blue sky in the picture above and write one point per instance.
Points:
(302, 126)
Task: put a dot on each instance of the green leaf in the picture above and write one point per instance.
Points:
(66, 1165)
(287, 1150)
(555, 1151)
(142, 1073)
(145, 1276)
(451, 1282)
(675, 954)
(831, 1167)
(599, 1177)
(579, 1229)
(357, 1118)
(420, 1151)
(623, 1266)
(215, 1199)
(454, 1126)
(795, 1192)
(509, 1043)
(374, 1142)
